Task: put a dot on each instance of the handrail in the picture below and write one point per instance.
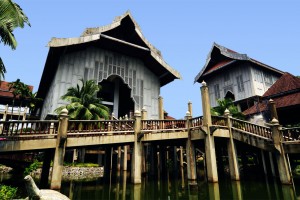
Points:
(77, 126)
(252, 128)
(291, 134)
(163, 124)
(218, 120)
(30, 127)
(196, 122)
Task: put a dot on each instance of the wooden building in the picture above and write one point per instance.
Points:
(285, 93)
(229, 74)
(8, 109)
(118, 57)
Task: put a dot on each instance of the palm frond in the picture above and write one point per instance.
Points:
(2, 69)
(12, 16)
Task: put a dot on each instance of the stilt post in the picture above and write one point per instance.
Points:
(210, 152)
(232, 156)
(137, 151)
(282, 162)
(60, 150)
(190, 151)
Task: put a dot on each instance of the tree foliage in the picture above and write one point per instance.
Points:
(226, 103)
(83, 102)
(19, 90)
(11, 17)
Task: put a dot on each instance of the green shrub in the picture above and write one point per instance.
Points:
(7, 192)
(33, 166)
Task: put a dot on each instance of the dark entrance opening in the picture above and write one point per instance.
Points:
(229, 95)
(115, 94)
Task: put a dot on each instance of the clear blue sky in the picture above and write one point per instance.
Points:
(183, 30)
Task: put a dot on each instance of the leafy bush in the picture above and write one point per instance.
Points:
(7, 192)
(33, 166)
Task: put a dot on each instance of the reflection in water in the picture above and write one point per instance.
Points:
(288, 192)
(237, 190)
(118, 186)
(124, 185)
(214, 192)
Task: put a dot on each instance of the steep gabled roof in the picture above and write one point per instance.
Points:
(123, 35)
(284, 92)
(124, 29)
(220, 57)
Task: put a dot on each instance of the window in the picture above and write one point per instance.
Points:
(240, 83)
(86, 73)
(226, 77)
(217, 91)
(268, 80)
(258, 76)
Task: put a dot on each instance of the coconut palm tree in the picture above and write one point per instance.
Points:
(226, 103)
(11, 17)
(19, 90)
(33, 101)
(84, 104)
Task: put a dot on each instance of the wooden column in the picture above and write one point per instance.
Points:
(125, 158)
(232, 155)
(283, 166)
(190, 108)
(190, 152)
(272, 108)
(48, 155)
(60, 150)
(144, 154)
(137, 151)
(210, 153)
(160, 107)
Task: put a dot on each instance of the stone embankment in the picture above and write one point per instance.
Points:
(75, 173)
(5, 169)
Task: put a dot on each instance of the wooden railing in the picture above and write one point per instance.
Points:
(218, 120)
(14, 130)
(291, 134)
(163, 125)
(245, 126)
(100, 126)
(33, 129)
(196, 122)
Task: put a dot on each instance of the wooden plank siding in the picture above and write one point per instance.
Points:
(230, 84)
(92, 63)
(254, 82)
(259, 80)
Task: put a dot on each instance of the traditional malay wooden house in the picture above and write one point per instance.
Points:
(229, 74)
(285, 93)
(118, 57)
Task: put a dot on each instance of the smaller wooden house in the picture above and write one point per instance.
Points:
(230, 74)
(6, 103)
(285, 93)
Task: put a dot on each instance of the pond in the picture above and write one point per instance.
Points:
(118, 186)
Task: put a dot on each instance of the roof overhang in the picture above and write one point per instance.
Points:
(106, 37)
(219, 53)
